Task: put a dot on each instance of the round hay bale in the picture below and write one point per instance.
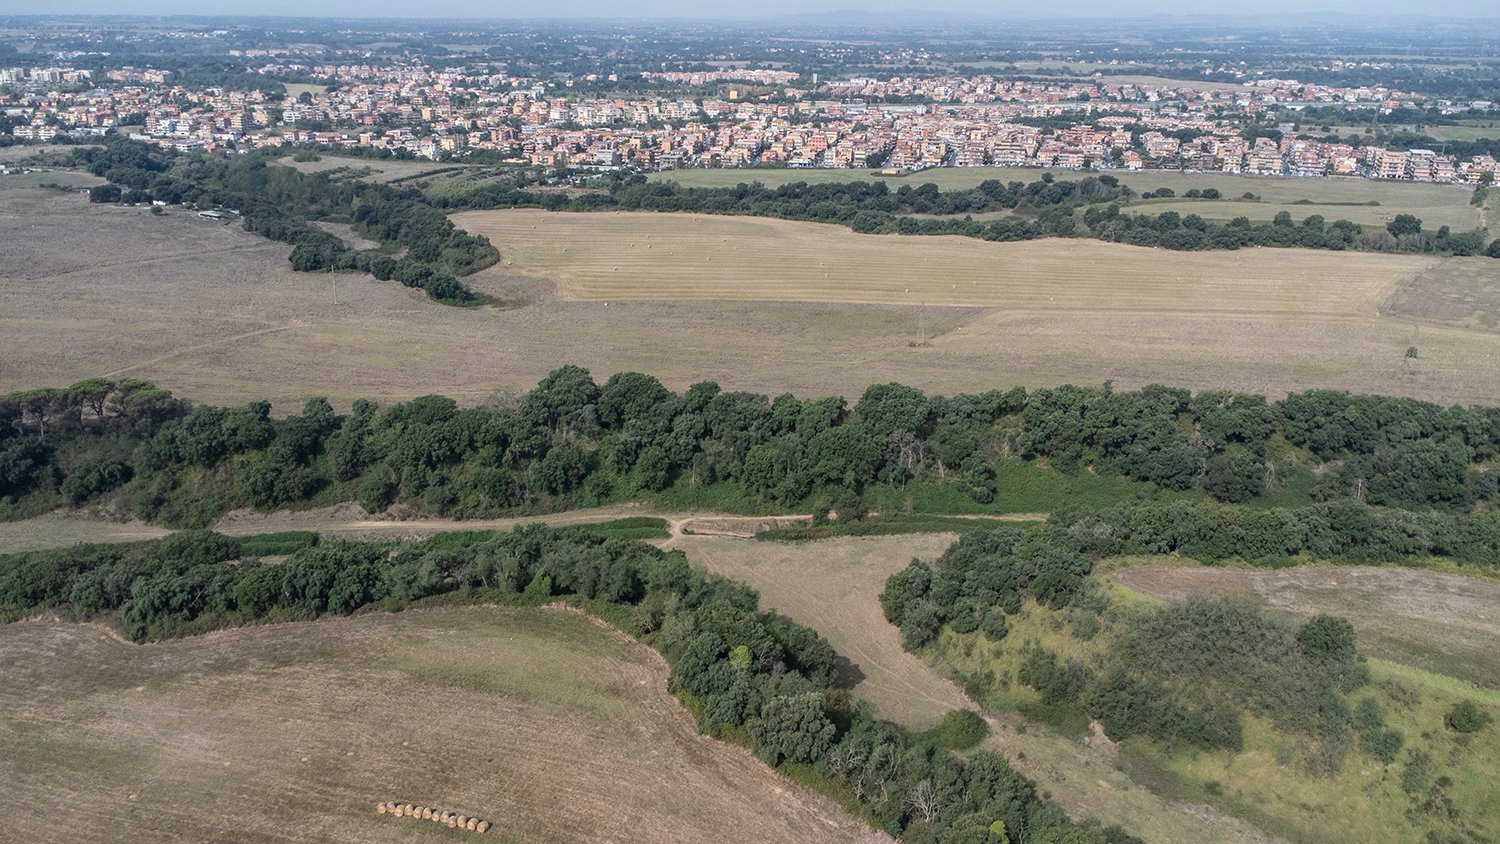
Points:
(452, 822)
(463, 821)
(484, 826)
(425, 813)
(410, 810)
(472, 825)
(400, 811)
(379, 808)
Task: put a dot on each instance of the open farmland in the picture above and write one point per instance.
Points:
(1443, 623)
(621, 256)
(1459, 291)
(216, 314)
(1435, 204)
(1458, 217)
(543, 721)
(833, 586)
(47, 178)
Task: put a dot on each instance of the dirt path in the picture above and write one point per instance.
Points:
(349, 521)
(187, 350)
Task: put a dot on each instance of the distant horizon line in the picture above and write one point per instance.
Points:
(937, 17)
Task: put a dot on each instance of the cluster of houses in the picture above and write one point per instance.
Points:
(758, 119)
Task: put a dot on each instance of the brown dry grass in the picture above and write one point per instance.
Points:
(544, 722)
(624, 256)
(1443, 623)
(217, 315)
(833, 586)
(63, 528)
(1437, 205)
(381, 170)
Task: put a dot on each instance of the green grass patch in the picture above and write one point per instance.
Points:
(1025, 487)
(883, 526)
(961, 729)
(630, 527)
(277, 544)
(721, 497)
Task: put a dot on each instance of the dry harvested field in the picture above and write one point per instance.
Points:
(1435, 204)
(47, 178)
(1443, 623)
(1459, 217)
(381, 170)
(833, 586)
(622, 256)
(542, 721)
(1460, 292)
(216, 314)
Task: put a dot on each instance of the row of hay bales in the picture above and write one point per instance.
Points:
(427, 813)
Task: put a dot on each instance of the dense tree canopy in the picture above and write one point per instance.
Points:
(137, 449)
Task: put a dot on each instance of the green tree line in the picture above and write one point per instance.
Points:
(1044, 208)
(571, 441)
(280, 203)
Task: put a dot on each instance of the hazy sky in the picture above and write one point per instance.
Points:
(742, 10)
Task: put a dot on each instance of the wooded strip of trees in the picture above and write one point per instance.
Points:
(279, 203)
(135, 449)
(1044, 208)
(751, 677)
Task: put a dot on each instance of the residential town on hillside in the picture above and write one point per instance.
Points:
(751, 117)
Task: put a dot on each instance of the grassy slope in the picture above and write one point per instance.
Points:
(549, 724)
(1432, 619)
(1266, 783)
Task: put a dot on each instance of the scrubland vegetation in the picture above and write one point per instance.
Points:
(1279, 721)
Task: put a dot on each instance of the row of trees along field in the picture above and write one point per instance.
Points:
(1044, 208)
(1188, 676)
(279, 203)
(749, 677)
(136, 449)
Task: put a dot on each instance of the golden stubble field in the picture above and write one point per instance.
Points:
(626, 256)
(217, 315)
(543, 721)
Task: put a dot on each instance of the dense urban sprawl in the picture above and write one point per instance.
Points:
(751, 117)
